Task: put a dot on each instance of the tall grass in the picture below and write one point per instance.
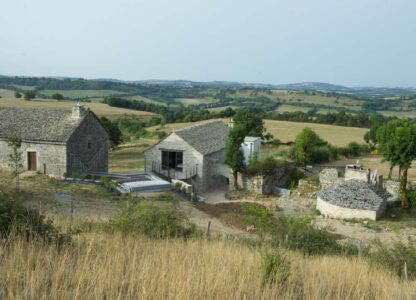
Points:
(119, 266)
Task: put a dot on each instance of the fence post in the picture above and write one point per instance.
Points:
(208, 228)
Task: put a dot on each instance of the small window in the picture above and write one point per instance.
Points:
(89, 145)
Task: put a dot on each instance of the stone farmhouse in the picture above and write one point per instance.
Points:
(194, 154)
(56, 142)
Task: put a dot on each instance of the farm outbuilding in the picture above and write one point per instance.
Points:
(55, 142)
(194, 154)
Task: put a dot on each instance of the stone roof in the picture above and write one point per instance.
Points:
(353, 194)
(207, 137)
(48, 125)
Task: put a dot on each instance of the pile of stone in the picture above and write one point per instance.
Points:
(354, 194)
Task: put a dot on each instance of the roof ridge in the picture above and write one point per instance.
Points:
(198, 125)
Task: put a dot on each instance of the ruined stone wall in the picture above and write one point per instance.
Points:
(357, 174)
(50, 158)
(88, 148)
(328, 177)
(265, 184)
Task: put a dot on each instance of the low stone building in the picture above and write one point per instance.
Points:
(55, 142)
(194, 154)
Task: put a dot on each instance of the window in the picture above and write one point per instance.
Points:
(89, 144)
(172, 160)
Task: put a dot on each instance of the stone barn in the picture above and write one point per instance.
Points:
(194, 154)
(55, 142)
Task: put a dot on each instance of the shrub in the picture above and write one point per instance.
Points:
(294, 179)
(354, 149)
(267, 166)
(324, 153)
(400, 257)
(16, 219)
(157, 220)
(275, 267)
(108, 184)
(300, 234)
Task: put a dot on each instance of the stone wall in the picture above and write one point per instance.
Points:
(191, 159)
(334, 211)
(50, 158)
(88, 148)
(265, 184)
(328, 177)
(357, 174)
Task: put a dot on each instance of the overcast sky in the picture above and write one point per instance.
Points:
(349, 42)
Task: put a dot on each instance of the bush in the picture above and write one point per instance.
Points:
(354, 149)
(267, 166)
(275, 267)
(17, 219)
(321, 154)
(294, 179)
(157, 220)
(411, 195)
(400, 257)
(301, 235)
(108, 184)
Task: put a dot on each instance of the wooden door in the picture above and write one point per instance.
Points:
(31, 161)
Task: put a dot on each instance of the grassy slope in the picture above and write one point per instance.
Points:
(116, 266)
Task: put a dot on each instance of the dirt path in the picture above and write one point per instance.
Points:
(201, 220)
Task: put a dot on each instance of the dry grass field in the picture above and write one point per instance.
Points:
(117, 266)
(99, 109)
(287, 131)
(335, 135)
(129, 157)
(190, 101)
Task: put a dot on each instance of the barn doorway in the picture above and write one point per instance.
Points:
(31, 161)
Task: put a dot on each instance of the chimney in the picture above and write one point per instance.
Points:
(79, 111)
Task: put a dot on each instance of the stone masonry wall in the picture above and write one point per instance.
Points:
(334, 211)
(50, 158)
(265, 184)
(88, 148)
(191, 158)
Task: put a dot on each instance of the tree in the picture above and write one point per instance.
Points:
(57, 96)
(113, 132)
(17, 95)
(234, 156)
(305, 143)
(29, 95)
(15, 158)
(397, 143)
(250, 120)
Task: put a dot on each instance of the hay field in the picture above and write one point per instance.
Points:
(287, 131)
(119, 266)
(99, 109)
(335, 135)
(191, 101)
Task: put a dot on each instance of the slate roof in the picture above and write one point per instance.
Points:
(47, 125)
(353, 194)
(207, 137)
